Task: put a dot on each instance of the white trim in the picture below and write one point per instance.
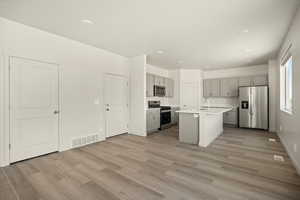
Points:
(2, 108)
(5, 159)
(5, 121)
(283, 98)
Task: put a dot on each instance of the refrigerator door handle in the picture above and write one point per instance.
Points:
(250, 106)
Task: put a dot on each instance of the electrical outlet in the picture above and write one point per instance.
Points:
(295, 148)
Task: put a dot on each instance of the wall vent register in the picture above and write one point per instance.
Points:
(82, 141)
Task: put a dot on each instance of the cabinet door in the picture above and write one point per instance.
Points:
(230, 118)
(149, 86)
(163, 81)
(245, 81)
(260, 80)
(167, 85)
(171, 88)
(174, 115)
(157, 80)
(229, 87)
(206, 88)
(214, 88)
(149, 120)
(156, 119)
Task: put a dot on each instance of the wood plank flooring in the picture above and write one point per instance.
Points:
(238, 165)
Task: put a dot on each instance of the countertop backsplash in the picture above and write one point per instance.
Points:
(220, 102)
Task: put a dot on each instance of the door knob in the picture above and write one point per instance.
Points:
(56, 112)
(107, 109)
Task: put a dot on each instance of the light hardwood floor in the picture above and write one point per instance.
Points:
(238, 165)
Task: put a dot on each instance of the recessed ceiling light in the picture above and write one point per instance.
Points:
(245, 31)
(160, 52)
(87, 21)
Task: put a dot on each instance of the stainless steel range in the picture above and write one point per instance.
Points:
(165, 113)
(165, 116)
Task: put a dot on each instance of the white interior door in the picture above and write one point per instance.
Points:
(34, 109)
(116, 105)
(189, 95)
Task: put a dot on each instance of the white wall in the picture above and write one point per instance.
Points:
(191, 78)
(273, 94)
(232, 72)
(82, 67)
(290, 132)
(137, 125)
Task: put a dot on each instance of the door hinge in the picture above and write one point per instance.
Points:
(9, 146)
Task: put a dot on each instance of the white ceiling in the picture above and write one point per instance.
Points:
(192, 33)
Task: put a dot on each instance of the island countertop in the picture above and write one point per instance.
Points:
(205, 111)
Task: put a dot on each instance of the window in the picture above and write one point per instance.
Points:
(286, 84)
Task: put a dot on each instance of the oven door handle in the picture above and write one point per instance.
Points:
(165, 111)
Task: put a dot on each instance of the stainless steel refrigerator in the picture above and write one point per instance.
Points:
(254, 107)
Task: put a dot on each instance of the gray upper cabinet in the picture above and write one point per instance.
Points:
(150, 80)
(211, 88)
(229, 87)
(260, 80)
(169, 83)
(245, 81)
(159, 80)
(253, 80)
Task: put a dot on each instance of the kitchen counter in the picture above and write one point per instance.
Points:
(206, 111)
(201, 126)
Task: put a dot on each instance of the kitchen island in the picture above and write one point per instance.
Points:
(201, 126)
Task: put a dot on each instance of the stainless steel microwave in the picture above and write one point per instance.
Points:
(159, 91)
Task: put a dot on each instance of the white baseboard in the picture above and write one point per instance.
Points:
(291, 154)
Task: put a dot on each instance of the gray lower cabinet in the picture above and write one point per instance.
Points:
(231, 118)
(174, 115)
(211, 88)
(229, 87)
(188, 128)
(153, 119)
